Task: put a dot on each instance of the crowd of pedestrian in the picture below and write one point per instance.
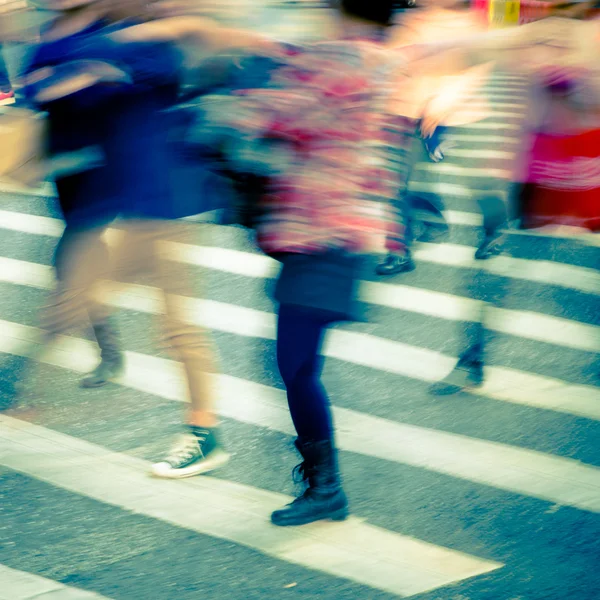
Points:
(317, 141)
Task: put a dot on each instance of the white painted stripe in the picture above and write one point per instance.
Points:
(484, 100)
(521, 100)
(33, 224)
(442, 188)
(499, 77)
(583, 237)
(492, 126)
(243, 321)
(545, 328)
(506, 385)
(39, 225)
(507, 115)
(567, 276)
(19, 585)
(491, 92)
(504, 83)
(458, 217)
(353, 550)
(483, 139)
(256, 265)
(488, 91)
(46, 190)
(461, 171)
(480, 153)
(559, 480)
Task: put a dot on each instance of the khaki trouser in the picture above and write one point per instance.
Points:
(83, 263)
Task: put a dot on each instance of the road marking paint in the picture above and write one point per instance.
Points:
(485, 101)
(353, 550)
(491, 125)
(582, 279)
(507, 115)
(479, 154)
(538, 475)
(442, 189)
(46, 190)
(239, 320)
(461, 171)
(458, 217)
(20, 585)
(418, 363)
(32, 224)
(480, 139)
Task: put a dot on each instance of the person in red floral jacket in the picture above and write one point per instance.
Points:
(324, 210)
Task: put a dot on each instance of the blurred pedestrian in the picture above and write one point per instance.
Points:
(562, 184)
(108, 97)
(7, 95)
(423, 109)
(560, 166)
(319, 219)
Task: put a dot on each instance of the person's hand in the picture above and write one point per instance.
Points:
(38, 76)
(51, 84)
(163, 30)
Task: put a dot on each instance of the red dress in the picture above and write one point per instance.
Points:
(564, 166)
(565, 172)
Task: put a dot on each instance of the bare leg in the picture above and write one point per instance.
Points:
(143, 247)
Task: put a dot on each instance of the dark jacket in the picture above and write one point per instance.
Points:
(129, 121)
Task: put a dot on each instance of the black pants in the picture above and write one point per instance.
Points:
(300, 333)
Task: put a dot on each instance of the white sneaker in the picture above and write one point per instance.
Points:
(194, 454)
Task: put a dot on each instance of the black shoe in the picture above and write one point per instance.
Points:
(112, 362)
(109, 369)
(491, 246)
(393, 264)
(463, 376)
(324, 497)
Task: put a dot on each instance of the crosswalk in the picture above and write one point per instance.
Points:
(473, 497)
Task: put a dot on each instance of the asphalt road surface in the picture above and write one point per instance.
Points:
(488, 495)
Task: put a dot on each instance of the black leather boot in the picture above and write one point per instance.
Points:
(111, 358)
(324, 497)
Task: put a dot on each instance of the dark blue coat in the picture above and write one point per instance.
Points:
(130, 122)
